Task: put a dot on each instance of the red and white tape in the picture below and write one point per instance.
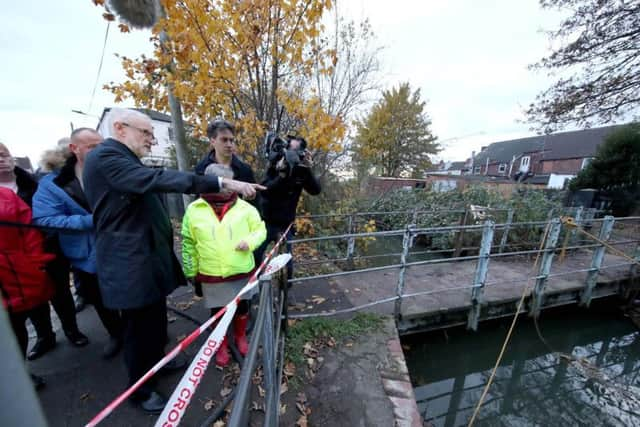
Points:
(181, 397)
(273, 265)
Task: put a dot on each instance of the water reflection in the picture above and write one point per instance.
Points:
(533, 387)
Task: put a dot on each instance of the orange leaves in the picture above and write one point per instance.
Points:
(109, 16)
(233, 58)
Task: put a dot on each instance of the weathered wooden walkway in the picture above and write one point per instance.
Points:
(505, 283)
(440, 293)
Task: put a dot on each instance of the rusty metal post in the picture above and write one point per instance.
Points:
(460, 237)
(477, 293)
(596, 261)
(406, 238)
(545, 267)
(505, 232)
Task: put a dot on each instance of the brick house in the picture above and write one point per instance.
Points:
(554, 158)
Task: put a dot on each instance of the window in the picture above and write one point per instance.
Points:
(585, 162)
(525, 161)
(476, 170)
(502, 168)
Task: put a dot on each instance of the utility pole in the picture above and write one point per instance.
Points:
(179, 133)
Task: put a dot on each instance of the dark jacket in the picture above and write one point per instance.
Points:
(280, 199)
(60, 202)
(134, 237)
(27, 185)
(241, 170)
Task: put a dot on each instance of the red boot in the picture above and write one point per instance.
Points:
(240, 333)
(222, 356)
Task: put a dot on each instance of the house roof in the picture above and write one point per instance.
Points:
(457, 165)
(562, 145)
(576, 144)
(503, 151)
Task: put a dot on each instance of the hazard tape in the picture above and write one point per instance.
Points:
(274, 265)
(181, 397)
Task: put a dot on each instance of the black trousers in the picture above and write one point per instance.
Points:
(62, 302)
(145, 336)
(90, 291)
(18, 324)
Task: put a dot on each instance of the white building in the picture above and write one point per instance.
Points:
(161, 129)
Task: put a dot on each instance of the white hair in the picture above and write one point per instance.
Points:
(219, 170)
(123, 115)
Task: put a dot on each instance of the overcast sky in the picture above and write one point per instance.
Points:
(469, 58)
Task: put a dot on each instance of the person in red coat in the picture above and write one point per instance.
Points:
(24, 282)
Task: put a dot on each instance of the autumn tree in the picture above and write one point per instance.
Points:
(241, 61)
(615, 170)
(395, 137)
(597, 64)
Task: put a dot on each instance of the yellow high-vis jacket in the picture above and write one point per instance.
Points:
(209, 245)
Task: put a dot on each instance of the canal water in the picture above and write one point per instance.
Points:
(598, 385)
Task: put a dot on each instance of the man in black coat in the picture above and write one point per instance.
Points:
(137, 268)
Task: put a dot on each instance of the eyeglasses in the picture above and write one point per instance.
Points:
(145, 132)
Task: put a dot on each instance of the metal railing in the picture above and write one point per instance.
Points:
(269, 336)
(492, 245)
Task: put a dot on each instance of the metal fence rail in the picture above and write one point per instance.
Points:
(490, 247)
(266, 349)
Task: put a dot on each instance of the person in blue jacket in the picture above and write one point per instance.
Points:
(60, 202)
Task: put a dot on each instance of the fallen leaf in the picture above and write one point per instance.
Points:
(406, 347)
(299, 306)
(301, 397)
(209, 404)
(219, 423)
(311, 362)
(349, 344)
(302, 421)
(317, 299)
(331, 342)
(181, 337)
(85, 397)
(356, 290)
(283, 408)
(226, 391)
(185, 305)
(261, 391)
(171, 319)
(289, 369)
(291, 322)
(255, 406)
(300, 407)
(284, 388)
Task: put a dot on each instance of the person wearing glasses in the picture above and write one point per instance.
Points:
(136, 265)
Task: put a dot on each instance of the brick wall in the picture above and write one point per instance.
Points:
(564, 166)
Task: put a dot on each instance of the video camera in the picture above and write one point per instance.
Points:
(277, 148)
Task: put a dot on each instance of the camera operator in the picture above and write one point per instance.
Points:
(289, 172)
